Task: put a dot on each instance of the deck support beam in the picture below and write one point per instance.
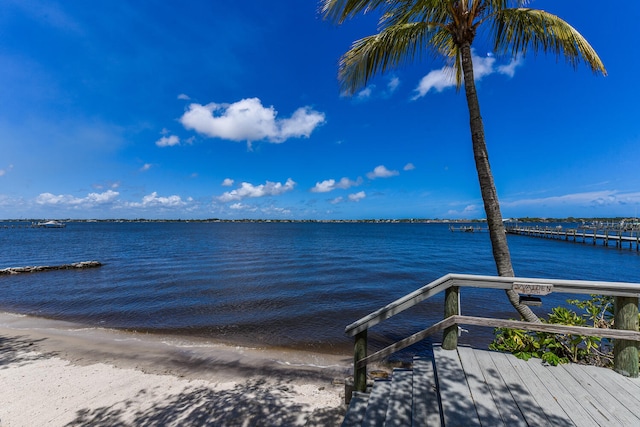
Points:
(625, 353)
(451, 308)
(360, 352)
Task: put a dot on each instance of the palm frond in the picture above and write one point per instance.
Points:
(518, 30)
(393, 46)
(341, 10)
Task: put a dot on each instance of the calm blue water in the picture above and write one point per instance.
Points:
(282, 284)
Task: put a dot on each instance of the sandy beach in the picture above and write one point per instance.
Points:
(62, 374)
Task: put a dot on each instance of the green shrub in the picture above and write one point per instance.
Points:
(563, 348)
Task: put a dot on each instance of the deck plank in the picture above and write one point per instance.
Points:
(553, 412)
(399, 408)
(378, 404)
(458, 408)
(509, 410)
(575, 402)
(426, 411)
(488, 411)
(518, 386)
(614, 405)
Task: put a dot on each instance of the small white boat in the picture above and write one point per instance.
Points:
(51, 224)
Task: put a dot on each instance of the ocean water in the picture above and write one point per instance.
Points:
(291, 285)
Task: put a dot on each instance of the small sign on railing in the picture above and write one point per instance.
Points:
(532, 288)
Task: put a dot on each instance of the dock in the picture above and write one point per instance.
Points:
(472, 387)
(605, 236)
(469, 228)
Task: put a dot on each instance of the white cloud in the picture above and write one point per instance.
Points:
(356, 197)
(145, 167)
(381, 172)
(3, 172)
(184, 97)
(92, 199)
(153, 200)
(228, 182)
(365, 93)
(443, 78)
(466, 212)
(408, 167)
(243, 207)
(336, 200)
(331, 184)
(393, 85)
(510, 68)
(592, 198)
(247, 120)
(249, 190)
(168, 141)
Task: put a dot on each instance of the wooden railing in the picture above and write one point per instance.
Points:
(626, 334)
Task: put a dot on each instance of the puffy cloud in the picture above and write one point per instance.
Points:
(381, 172)
(356, 197)
(168, 141)
(145, 167)
(153, 200)
(247, 120)
(510, 68)
(247, 190)
(443, 78)
(336, 200)
(393, 85)
(365, 93)
(228, 182)
(184, 97)
(408, 167)
(243, 207)
(92, 199)
(331, 184)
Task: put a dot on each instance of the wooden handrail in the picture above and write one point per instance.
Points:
(626, 294)
(552, 328)
(583, 287)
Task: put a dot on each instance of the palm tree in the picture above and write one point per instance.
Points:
(409, 28)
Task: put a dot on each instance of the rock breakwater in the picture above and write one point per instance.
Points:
(39, 268)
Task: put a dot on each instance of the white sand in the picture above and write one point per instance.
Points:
(59, 374)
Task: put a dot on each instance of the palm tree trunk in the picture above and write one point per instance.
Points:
(497, 233)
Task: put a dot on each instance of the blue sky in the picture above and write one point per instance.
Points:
(212, 109)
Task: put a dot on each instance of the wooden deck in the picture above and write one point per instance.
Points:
(470, 387)
(480, 387)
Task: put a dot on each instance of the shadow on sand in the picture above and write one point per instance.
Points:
(255, 403)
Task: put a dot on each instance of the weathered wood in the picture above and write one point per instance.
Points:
(488, 411)
(400, 407)
(458, 407)
(359, 370)
(451, 308)
(552, 411)
(548, 327)
(426, 411)
(598, 392)
(508, 410)
(625, 352)
(582, 287)
(418, 336)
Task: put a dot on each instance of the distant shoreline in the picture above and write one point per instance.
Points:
(322, 221)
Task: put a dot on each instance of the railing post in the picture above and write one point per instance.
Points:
(360, 352)
(625, 353)
(450, 335)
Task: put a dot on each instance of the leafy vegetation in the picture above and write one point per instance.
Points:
(563, 348)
